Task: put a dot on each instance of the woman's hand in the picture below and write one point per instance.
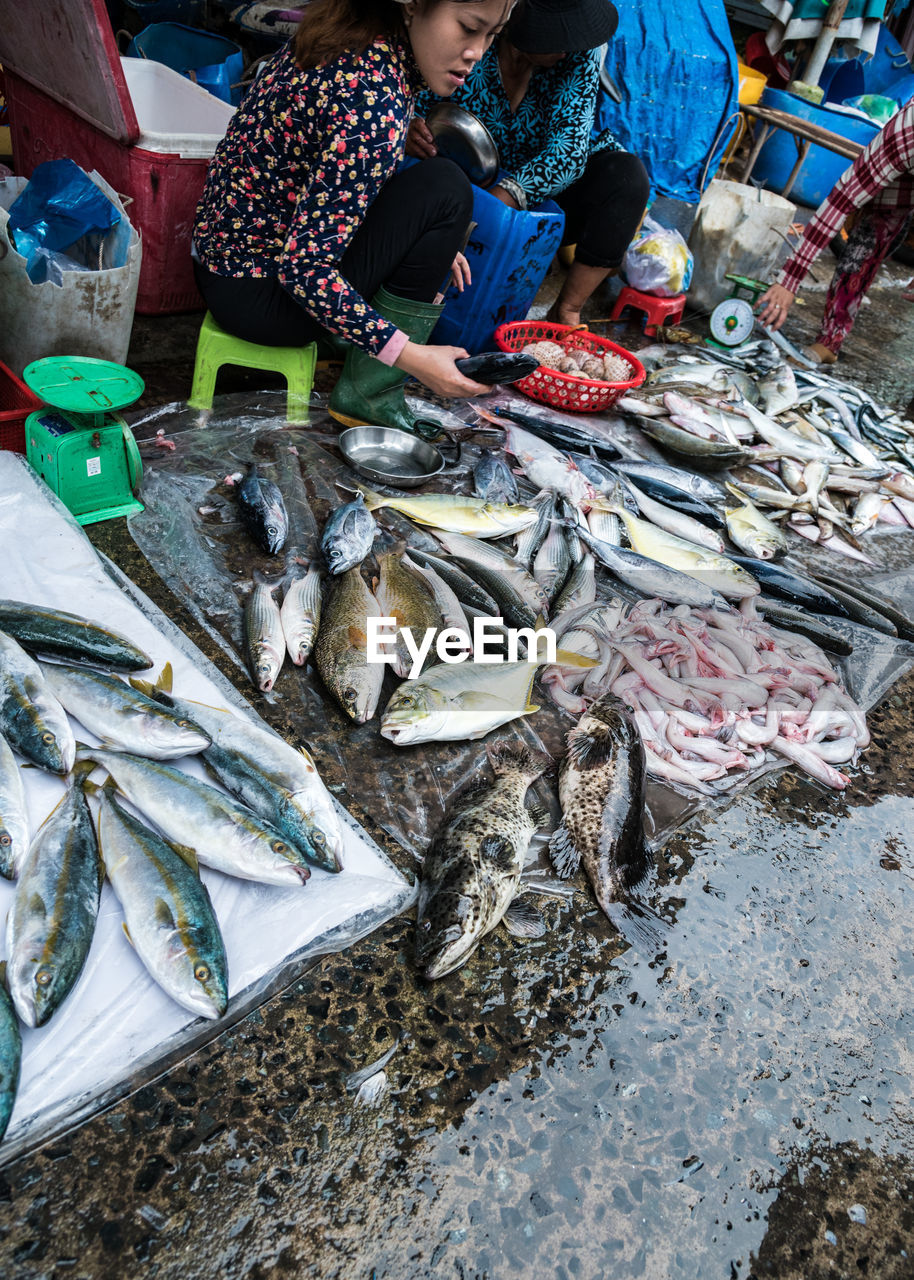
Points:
(461, 276)
(775, 304)
(419, 140)
(435, 368)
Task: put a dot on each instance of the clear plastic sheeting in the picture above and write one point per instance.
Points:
(190, 532)
(117, 1028)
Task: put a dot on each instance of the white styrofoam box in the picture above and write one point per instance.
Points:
(174, 114)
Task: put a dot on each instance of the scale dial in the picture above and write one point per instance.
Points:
(732, 321)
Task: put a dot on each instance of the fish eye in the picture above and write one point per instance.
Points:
(43, 977)
(47, 737)
(278, 847)
(426, 925)
(201, 973)
(183, 724)
(5, 840)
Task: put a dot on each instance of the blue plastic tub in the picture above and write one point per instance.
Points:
(822, 168)
(214, 63)
(509, 252)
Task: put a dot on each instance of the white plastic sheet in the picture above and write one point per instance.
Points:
(117, 1027)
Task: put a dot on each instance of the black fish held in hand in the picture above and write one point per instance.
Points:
(492, 367)
(263, 511)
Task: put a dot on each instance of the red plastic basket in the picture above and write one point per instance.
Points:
(565, 390)
(16, 403)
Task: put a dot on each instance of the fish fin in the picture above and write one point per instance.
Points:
(2, 973)
(635, 870)
(81, 771)
(530, 709)
(163, 914)
(523, 921)
(641, 927)
(165, 681)
(188, 855)
(504, 756)
(538, 814)
(499, 851)
(588, 751)
(127, 934)
(564, 854)
(565, 658)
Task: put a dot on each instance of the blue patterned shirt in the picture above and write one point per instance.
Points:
(546, 143)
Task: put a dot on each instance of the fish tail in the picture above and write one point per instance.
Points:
(641, 927)
(506, 757)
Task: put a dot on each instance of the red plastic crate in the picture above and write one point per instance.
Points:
(164, 189)
(16, 403)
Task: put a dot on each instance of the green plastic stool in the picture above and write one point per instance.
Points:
(215, 348)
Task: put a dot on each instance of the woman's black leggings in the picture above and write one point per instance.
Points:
(411, 234)
(604, 207)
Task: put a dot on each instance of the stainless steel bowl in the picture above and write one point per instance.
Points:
(389, 456)
(465, 140)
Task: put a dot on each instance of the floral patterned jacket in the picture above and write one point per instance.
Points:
(304, 156)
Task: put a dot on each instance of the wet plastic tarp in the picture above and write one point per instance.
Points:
(675, 68)
(191, 534)
(117, 1027)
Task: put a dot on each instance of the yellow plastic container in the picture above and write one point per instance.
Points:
(751, 85)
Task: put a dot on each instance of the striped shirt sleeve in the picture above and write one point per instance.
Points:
(887, 158)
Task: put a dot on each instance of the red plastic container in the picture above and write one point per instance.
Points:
(566, 390)
(164, 189)
(16, 403)
(68, 95)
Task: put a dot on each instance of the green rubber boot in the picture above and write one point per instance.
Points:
(371, 392)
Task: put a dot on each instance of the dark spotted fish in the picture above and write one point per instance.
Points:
(472, 868)
(601, 790)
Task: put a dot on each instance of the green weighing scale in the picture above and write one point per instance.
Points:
(733, 320)
(80, 445)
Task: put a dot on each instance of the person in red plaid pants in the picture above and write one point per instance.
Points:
(879, 187)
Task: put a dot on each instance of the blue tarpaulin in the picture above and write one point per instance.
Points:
(675, 68)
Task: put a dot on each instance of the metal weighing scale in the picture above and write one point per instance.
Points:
(81, 446)
(733, 320)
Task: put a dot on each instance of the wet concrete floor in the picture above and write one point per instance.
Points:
(738, 1105)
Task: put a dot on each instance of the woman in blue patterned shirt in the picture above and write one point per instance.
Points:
(536, 92)
(305, 231)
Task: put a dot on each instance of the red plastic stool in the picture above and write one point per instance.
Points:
(657, 310)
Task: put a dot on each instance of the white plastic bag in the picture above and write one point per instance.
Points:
(658, 261)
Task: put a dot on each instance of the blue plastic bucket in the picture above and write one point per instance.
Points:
(842, 78)
(902, 89)
(509, 252)
(888, 63)
(214, 63)
(822, 168)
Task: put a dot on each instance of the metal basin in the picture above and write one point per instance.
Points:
(389, 456)
(465, 140)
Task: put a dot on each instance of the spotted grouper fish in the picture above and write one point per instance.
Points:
(473, 865)
(601, 789)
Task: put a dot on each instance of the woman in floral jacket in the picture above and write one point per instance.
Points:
(306, 232)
